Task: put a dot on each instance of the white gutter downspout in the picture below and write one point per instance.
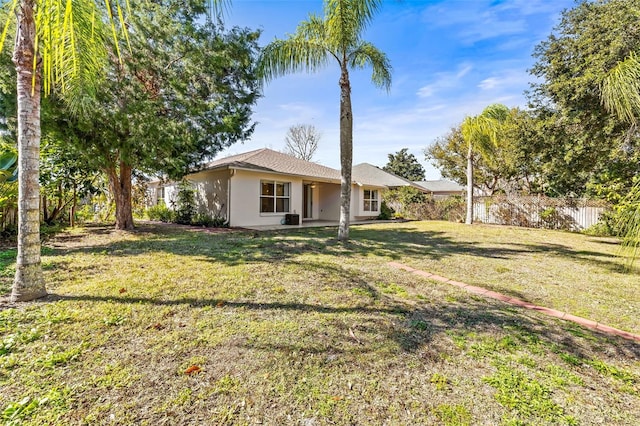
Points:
(231, 173)
(301, 217)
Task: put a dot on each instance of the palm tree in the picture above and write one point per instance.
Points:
(58, 44)
(620, 93)
(481, 133)
(320, 40)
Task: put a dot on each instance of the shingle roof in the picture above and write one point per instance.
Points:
(268, 160)
(366, 173)
(441, 185)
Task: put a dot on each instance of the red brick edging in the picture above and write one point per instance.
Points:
(521, 303)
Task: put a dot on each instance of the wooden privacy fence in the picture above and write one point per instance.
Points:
(538, 211)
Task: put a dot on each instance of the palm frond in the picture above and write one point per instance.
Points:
(346, 21)
(482, 131)
(294, 54)
(217, 8)
(496, 112)
(73, 39)
(366, 54)
(10, 10)
(630, 224)
(312, 29)
(620, 90)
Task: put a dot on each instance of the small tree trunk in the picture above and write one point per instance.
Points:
(120, 184)
(29, 282)
(469, 218)
(45, 207)
(72, 213)
(346, 152)
(51, 217)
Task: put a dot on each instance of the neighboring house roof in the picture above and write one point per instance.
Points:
(268, 160)
(369, 174)
(440, 185)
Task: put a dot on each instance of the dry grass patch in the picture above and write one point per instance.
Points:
(293, 328)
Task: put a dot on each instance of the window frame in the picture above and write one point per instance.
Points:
(161, 195)
(368, 202)
(286, 197)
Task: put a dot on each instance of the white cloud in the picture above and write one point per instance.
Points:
(506, 80)
(488, 83)
(426, 91)
(528, 7)
(479, 20)
(444, 80)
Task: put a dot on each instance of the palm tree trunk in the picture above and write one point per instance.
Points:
(469, 218)
(120, 184)
(29, 282)
(346, 152)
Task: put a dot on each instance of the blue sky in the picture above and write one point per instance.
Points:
(450, 59)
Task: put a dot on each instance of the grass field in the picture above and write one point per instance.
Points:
(294, 328)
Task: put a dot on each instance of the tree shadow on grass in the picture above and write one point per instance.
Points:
(248, 246)
(285, 246)
(267, 246)
(586, 257)
(411, 328)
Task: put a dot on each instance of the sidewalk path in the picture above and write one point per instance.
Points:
(521, 303)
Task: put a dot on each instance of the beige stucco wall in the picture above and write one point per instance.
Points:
(328, 201)
(356, 201)
(245, 198)
(212, 190)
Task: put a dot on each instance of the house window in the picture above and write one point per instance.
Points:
(274, 196)
(160, 195)
(370, 200)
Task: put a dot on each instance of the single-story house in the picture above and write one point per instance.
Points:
(441, 188)
(261, 187)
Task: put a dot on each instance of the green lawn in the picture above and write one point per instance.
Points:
(294, 328)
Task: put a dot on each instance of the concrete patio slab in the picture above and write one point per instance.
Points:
(313, 224)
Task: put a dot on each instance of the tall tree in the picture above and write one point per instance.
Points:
(184, 91)
(589, 74)
(65, 178)
(335, 36)
(583, 144)
(405, 165)
(49, 41)
(61, 44)
(301, 141)
(449, 154)
(505, 166)
(480, 133)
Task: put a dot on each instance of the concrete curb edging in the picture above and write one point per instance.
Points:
(520, 303)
